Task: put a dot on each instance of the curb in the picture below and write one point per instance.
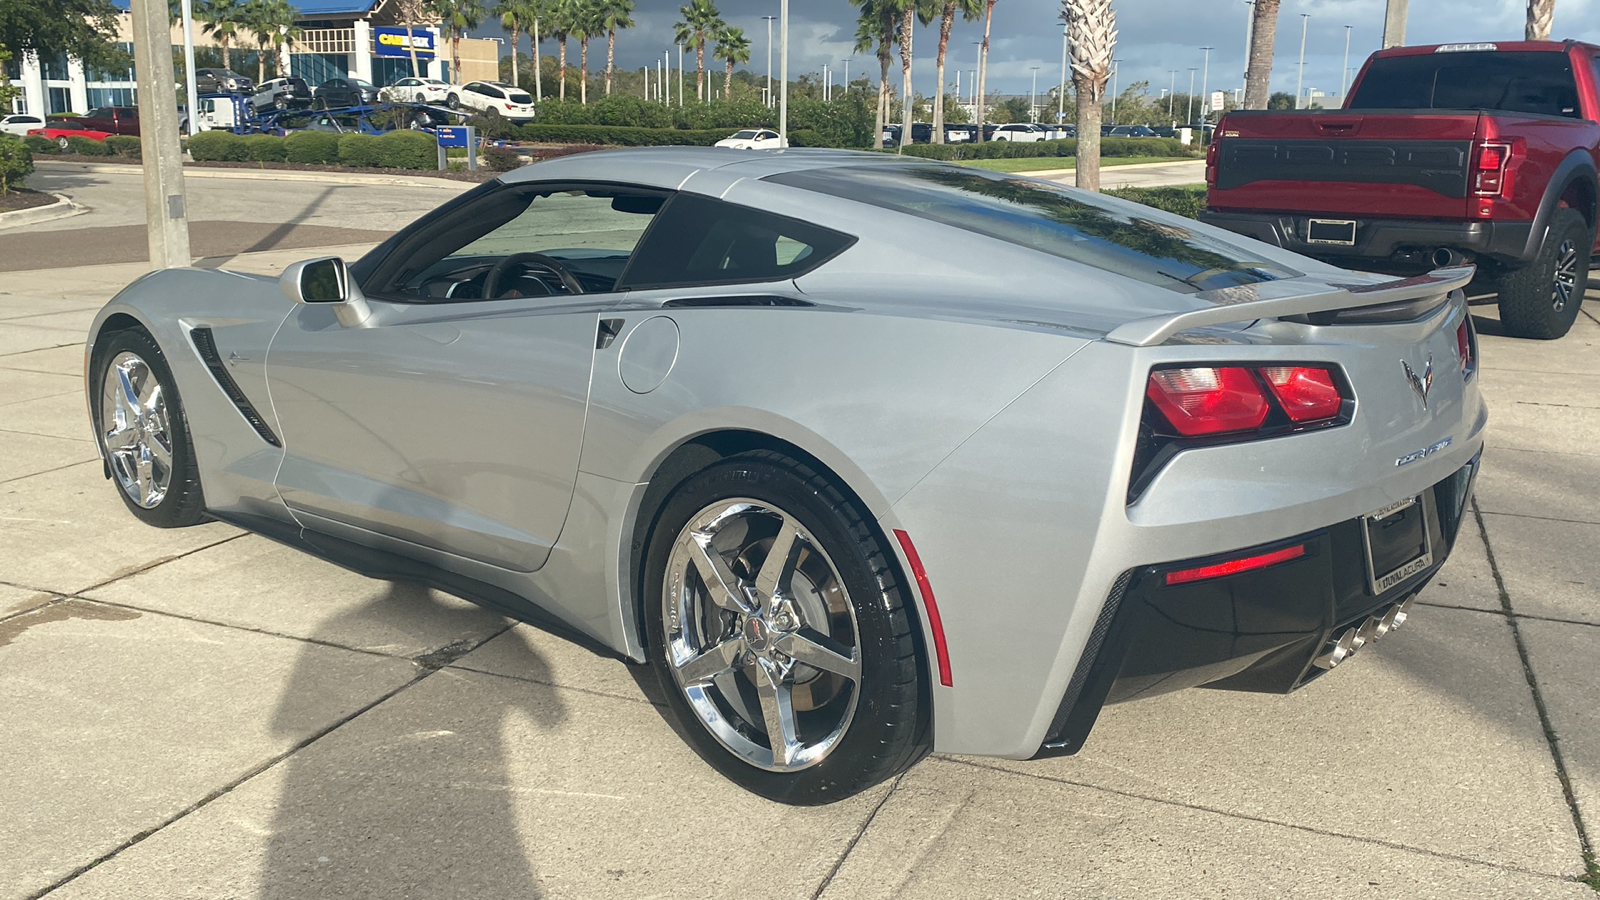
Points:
(263, 175)
(61, 209)
(1057, 173)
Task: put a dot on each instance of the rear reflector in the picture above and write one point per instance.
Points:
(1307, 394)
(935, 625)
(1464, 348)
(1236, 566)
(1201, 401)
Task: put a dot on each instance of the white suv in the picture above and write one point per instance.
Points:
(1018, 132)
(493, 99)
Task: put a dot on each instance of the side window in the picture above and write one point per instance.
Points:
(521, 241)
(704, 241)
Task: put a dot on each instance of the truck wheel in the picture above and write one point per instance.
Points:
(1541, 300)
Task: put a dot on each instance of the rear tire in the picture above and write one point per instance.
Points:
(142, 430)
(733, 665)
(1541, 300)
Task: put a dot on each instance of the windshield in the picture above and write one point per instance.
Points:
(1083, 227)
(744, 135)
(1539, 83)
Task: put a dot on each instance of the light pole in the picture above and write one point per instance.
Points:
(846, 62)
(680, 74)
(1190, 120)
(1172, 90)
(783, 72)
(1300, 77)
(1205, 85)
(1061, 100)
(1115, 69)
(1344, 73)
(770, 20)
(1033, 96)
(190, 93)
(1249, 38)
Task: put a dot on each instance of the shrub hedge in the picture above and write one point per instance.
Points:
(406, 149)
(124, 145)
(217, 145)
(312, 148)
(85, 146)
(16, 162)
(358, 151)
(618, 135)
(38, 143)
(1109, 146)
(1184, 200)
(264, 148)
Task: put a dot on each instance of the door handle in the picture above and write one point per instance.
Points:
(609, 329)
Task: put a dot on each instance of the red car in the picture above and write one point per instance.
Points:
(1446, 154)
(60, 131)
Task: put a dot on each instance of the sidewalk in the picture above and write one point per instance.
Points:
(201, 713)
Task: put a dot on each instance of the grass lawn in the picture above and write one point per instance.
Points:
(1040, 163)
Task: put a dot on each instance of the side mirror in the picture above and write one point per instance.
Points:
(326, 281)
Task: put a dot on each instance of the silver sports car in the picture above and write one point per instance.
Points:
(781, 427)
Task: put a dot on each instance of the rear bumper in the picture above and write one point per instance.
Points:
(1257, 631)
(1401, 245)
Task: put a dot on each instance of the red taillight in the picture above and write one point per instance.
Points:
(1307, 394)
(1490, 171)
(1236, 566)
(1212, 155)
(1464, 347)
(1201, 401)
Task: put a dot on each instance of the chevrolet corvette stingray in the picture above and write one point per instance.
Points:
(783, 427)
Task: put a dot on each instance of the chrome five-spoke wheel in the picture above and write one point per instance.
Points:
(761, 634)
(136, 430)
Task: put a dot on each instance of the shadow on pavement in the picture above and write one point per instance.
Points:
(412, 798)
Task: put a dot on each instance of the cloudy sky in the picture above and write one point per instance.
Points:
(1155, 37)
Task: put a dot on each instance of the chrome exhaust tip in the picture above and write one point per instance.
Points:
(1348, 643)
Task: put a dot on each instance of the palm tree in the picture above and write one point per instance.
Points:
(221, 18)
(271, 23)
(588, 20)
(947, 20)
(733, 48)
(515, 16)
(983, 63)
(558, 19)
(411, 13)
(910, 12)
(1258, 74)
(1541, 16)
(1092, 34)
(700, 21)
(458, 17)
(876, 25)
(618, 14)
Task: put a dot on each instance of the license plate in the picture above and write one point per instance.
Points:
(1398, 543)
(1331, 231)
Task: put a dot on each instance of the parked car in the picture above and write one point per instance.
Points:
(344, 92)
(891, 135)
(109, 119)
(1132, 131)
(415, 90)
(1175, 466)
(62, 131)
(753, 139)
(1018, 131)
(493, 99)
(221, 81)
(957, 134)
(350, 120)
(1483, 153)
(20, 124)
(281, 93)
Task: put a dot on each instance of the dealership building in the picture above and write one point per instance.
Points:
(338, 38)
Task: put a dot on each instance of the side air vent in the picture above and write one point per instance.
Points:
(741, 300)
(206, 344)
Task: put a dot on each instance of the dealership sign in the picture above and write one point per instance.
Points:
(389, 41)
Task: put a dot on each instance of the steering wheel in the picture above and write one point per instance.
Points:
(491, 282)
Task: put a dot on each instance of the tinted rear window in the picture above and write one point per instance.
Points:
(1083, 227)
(521, 97)
(1539, 83)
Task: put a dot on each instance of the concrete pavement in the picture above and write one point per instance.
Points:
(201, 713)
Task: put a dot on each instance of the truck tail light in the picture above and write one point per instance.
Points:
(1212, 157)
(1489, 173)
(1205, 401)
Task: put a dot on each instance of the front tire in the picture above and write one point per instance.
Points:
(453, 101)
(142, 430)
(1541, 300)
(799, 680)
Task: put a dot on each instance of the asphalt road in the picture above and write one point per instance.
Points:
(227, 215)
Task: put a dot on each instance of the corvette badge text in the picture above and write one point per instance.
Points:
(1424, 453)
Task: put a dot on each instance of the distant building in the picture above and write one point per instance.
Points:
(358, 38)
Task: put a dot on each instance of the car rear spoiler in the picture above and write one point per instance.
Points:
(1277, 299)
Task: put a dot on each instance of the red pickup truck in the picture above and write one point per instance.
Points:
(1484, 153)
